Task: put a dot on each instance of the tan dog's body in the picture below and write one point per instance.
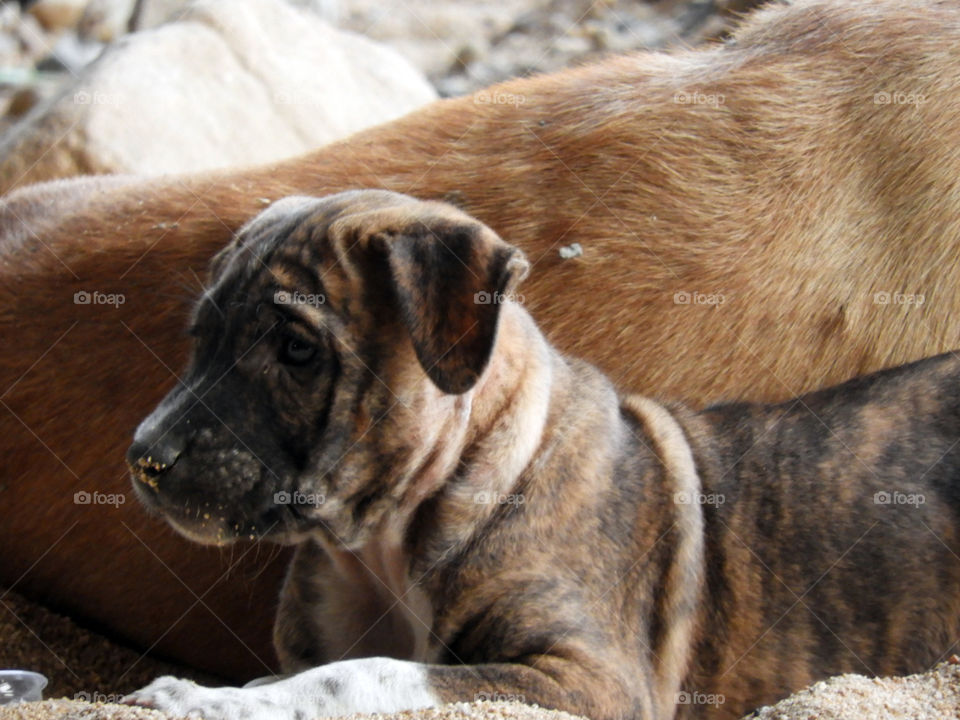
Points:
(794, 201)
(478, 516)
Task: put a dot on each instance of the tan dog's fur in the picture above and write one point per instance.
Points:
(797, 199)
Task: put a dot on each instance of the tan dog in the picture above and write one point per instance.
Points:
(479, 516)
(744, 212)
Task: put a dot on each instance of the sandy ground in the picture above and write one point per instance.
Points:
(461, 46)
(83, 666)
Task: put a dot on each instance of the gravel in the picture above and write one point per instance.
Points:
(930, 696)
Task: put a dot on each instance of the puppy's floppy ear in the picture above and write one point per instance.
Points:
(449, 274)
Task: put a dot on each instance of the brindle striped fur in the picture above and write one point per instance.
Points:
(597, 581)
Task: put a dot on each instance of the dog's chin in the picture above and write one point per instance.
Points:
(272, 525)
(204, 534)
(269, 526)
(208, 529)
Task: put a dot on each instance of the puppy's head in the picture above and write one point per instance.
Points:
(331, 378)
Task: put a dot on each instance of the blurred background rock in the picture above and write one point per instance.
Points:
(153, 86)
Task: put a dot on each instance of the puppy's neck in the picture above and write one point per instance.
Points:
(510, 406)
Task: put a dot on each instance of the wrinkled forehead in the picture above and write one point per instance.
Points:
(292, 224)
(289, 220)
(265, 232)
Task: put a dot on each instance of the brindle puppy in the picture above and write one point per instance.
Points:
(480, 517)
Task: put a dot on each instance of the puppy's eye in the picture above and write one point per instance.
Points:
(294, 351)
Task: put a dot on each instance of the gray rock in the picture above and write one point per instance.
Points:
(231, 83)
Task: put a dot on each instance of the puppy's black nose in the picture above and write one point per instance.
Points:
(150, 458)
